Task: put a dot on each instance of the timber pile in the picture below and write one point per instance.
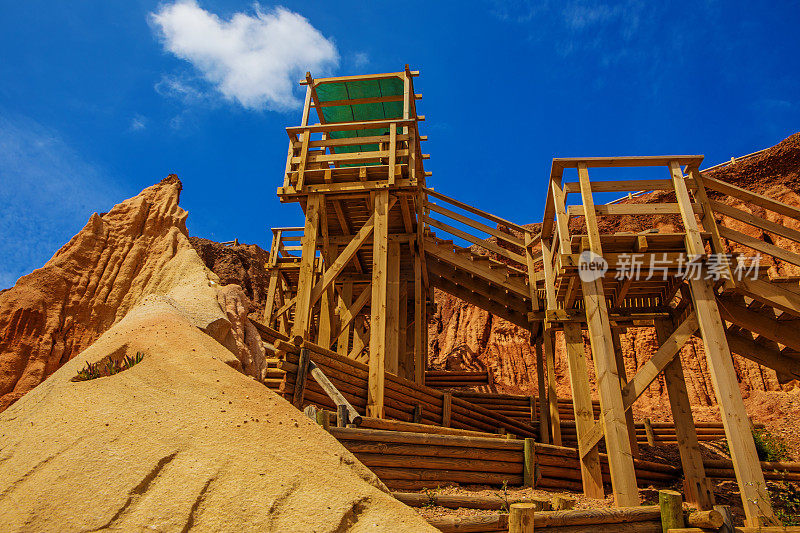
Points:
(520, 407)
(645, 519)
(412, 461)
(447, 379)
(404, 400)
(663, 432)
(773, 470)
(526, 409)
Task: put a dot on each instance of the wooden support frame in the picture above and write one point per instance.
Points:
(377, 342)
(755, 498)
(302, 314)
(620, 456)
(697, 488)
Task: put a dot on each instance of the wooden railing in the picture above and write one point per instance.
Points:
(445, 216)
(279, 250)
(317, 151)
(773, 230)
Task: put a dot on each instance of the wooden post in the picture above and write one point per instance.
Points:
(753, 489)
(520, 517)
(544, 412)
(327, 306)
(552, 393)
(671, 505)
(377, 337)
(405, 365)
(416, 416)
(697, 488)
(324, 419)
(727, 518)
(620, 459)
(591, 475)
(345, 300)
(272, 288)
(302, 316)
(648, 431)
(563, 503)
(393, 308)
(529, 463)
(342, 416)
(447, 402)
(623, 380)
(300, 381)
(420, 323)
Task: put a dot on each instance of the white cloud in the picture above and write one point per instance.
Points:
(255, 60)
(138, 123)
(48, 194)
(360, 60)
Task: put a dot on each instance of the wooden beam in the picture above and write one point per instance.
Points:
(591, 474)
(420, 323)
(755, 498)
(544, 413)
(345, 300)
(648, 372)
(620, 459)
(377, 341)
(343, 259)
(623, 381)
(697, 488)
(305, 283)
(552, 392)
(393, 308)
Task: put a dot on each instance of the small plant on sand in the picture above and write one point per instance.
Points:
(107, 367)
(431, 494)
(504, 497)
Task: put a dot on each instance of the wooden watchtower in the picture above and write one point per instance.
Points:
(358, 277)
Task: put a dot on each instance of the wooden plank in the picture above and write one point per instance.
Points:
(349, 141)
(759, 245)
(697, 488)
(492, 247)
(632, 209)
(343, 259)
(544, 413)
(622, 186)
(393, 308)
(348, 126)
(475, 224)
(272, 288)
(377, 341)
(755, 498)
(749, 197)
(620, 459)
(326, 323)
(345, 301)
(591, 474)
(393, 152)
(306, 273)
(648, 372)
(623, 381)
(626, 161)
(420, 322)
(300, 380)
(302, 160)
(475, 211)
(552, 392)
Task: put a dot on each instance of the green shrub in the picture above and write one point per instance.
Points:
(107, 367)
(786, 502)
(769, 447)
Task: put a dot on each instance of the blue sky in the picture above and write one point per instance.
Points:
(99, 99)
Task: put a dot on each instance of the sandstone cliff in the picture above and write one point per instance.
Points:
(116, 260)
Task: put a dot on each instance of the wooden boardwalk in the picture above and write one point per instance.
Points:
(357, 278)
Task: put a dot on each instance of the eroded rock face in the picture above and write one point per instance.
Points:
(115, 261)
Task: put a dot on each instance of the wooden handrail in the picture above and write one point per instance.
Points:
(348, 126)
(476, 211)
